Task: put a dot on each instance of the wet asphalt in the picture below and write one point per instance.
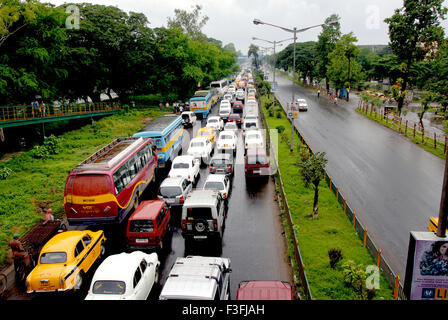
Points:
(393, 185)
(253, 236)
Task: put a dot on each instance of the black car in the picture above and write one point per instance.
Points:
(222, 163)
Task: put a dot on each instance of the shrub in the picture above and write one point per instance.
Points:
(4, 172)
(354, 277)
(335, 255)
(50, 146)
(279, 113)
(280, 129)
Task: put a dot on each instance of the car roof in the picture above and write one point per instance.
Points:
(264, 290)
(114, 266)
(203, 139)
(227, 132)
(222, 156)
(183, 158)
(174, 181)
(147, 210)
(64, 241)
(216, 178)
(199, 197)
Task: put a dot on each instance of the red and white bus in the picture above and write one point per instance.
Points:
(105, 187)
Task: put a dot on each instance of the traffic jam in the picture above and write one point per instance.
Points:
(171, 182)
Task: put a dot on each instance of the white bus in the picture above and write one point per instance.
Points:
(220, 86)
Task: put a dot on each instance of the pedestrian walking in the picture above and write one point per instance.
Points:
(160, 106)
(335, 100)
(43, 108)
(318, 93)
(35, 106)
(167, 105)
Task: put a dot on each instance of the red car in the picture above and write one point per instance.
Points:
(148, 226)
(264, 290)
(235, 117)
(256, 163)
(237, 107)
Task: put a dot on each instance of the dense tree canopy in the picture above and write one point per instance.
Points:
(110, 51)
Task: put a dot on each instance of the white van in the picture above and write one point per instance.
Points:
(198, 278)
(221, 86)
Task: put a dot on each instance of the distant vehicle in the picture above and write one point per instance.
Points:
(174, 191)
(240, 95)
(303, 105)
(253, 139)
(65, 260)
(264, 290)
(235, 117)
(188, 118)
(125, 276)
(215, 123)
(249, 124)
(251, 90)
(221, 86)
(224, 113)
(198, 278)
(222, 163)
(231, 126)
(228, 96)
(201, 103)
(203, 216)
(105, 187)
(218, 182)
(227, 141)
(186, 167)
(256, 163)
(167, 132)
(148, 226)
(238, 107)
(201, 148)
(208, 133)
(225, 104)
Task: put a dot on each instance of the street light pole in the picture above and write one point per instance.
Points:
(291, 148)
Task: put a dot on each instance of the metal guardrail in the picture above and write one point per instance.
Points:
(28, 112)
(285, 206)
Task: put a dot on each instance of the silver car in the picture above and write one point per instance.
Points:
(174, 191)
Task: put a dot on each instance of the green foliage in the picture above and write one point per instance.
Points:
(313, 169)
(354, 276)
(4, 172)
(280, 128)
(190, 22)
(51, 146)
(335, 255)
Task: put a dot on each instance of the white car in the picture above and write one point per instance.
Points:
(231, 90)
(219, 182)
(228, 96)
(185, 166)
(125, 276)
(253, 140)
(227, 140)
(200, 148)
(216, 123)
(231, 126)
(251, 90)
(240, 95)
(226, 104)
(224, 112)
(303, 105)
(250, 116)
(249, 124)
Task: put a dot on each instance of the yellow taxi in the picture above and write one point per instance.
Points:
(251, 98)
(64, 260)
(207, 133)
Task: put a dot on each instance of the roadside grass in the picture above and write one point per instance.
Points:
(332, 228)
(38, 184)
(427, 143)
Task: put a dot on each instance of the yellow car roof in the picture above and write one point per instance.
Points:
(64, 241)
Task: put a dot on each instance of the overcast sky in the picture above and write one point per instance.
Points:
(232, 20)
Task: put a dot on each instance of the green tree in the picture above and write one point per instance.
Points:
(325, 45)
(253, 51)
(15, 15)
(343, 67)
(414, 32)
(437, 80)
(312, 170)
(190, 22)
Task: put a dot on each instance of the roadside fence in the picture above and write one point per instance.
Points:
(381, 262)
(405, 127)
(285, 206)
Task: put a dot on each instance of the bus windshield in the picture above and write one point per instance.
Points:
(89, 184)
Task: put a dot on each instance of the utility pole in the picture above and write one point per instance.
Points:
(442, 223)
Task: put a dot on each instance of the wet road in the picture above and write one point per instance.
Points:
(252, 239)
(393, 185)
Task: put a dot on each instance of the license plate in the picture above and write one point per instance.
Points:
(257, 171)
(170, 200)
(200, 237)
(141, 240)
(226, 145)
(44, 283)
(220, 171)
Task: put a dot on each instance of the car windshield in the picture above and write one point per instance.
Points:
(212, 120)
(230, 125)
(214, 185)
(260, 159)
(199, 213)
(216, 162)
(170, 192)
(250, 124)
(195, 144)
(109, 287)
(181, 166)
(186, 116)
(204, 133)
(53, 257)
(226, 137)
(141, 226)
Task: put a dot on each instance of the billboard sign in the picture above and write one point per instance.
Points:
(427, 267)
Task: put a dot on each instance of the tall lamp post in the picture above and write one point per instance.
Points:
(293, 31)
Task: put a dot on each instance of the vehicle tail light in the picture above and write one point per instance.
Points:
(181, 199)
(188, 177)
(184, 224)
(245, 170)
(215, 224)
(224, 195)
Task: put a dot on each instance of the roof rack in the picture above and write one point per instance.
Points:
(110, 155)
